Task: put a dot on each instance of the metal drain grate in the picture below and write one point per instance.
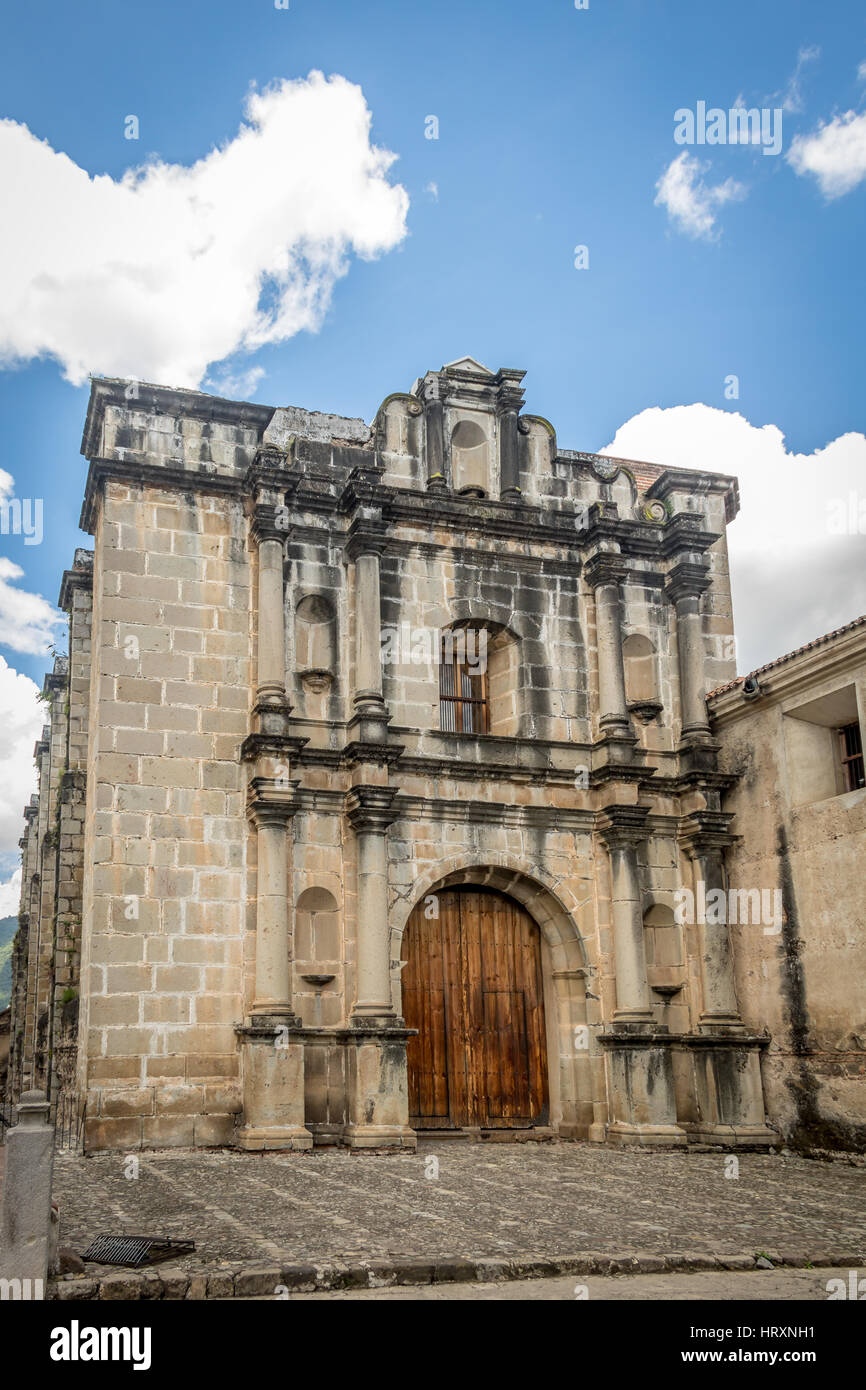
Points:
(134, 1251)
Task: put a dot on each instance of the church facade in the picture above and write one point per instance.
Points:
(378, 796)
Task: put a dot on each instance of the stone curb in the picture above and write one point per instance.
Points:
(260, 1280)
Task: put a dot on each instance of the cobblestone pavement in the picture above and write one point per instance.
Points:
(782, 1285)
(488, 1200)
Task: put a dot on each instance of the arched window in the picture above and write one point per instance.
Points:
(464, 700)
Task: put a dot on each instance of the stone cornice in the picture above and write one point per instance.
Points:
(165, 400)
(136, 471)
(494, 813)
(685, 480)
(80, 576)
(262, 745)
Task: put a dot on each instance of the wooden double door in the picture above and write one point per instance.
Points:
(472, 986)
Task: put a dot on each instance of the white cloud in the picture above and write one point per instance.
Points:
(792, 99)
(237, 386)
(10, 895)
(793, 577)
(20, 727)
(433, 190)
(861, 72)
(172, 267)
(690, 203)
(834, 154)
(28, 622)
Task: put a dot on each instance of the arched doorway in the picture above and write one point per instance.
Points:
(472, 986)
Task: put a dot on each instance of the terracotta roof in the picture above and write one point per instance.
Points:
(789, 656)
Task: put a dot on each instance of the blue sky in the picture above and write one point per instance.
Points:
(555, 126)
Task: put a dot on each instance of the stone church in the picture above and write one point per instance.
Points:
(374, 783)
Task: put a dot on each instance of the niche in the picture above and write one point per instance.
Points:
(317, 927)
(641, 683)
(470, 459)
(315, 652)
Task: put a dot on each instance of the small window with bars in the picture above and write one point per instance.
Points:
(464, 706)
(851, 752)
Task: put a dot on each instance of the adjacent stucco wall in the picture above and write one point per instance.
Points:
(801, 981)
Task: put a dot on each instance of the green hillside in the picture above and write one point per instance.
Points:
(8, 928)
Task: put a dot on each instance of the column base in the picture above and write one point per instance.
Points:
(726, 1025)
(646, 1136)
(256, 1139)
(377, 1086)
(272, 1062)
(734, 1136)
(380, 1137)
(642, 1100)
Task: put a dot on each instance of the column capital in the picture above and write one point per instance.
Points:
(687, 579)
(605, 567)
(705, 833)
(272, 800)
(370, 809)
(268, 522)
(367, 536)
(623, 827)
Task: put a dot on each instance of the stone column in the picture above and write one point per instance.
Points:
(720, 1010)
(725, 1059)
(605, 572)
(272, 1049)
(370, 814)
(509, 470)
(434, 419)
(623, 829)
(642, 1099)
(273, 959)
(272, 707)
(369, 723)
(686, 583)
(376, 1075)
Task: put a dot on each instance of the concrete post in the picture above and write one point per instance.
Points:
(26, 1223)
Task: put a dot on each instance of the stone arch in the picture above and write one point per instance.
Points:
(571, 1010)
